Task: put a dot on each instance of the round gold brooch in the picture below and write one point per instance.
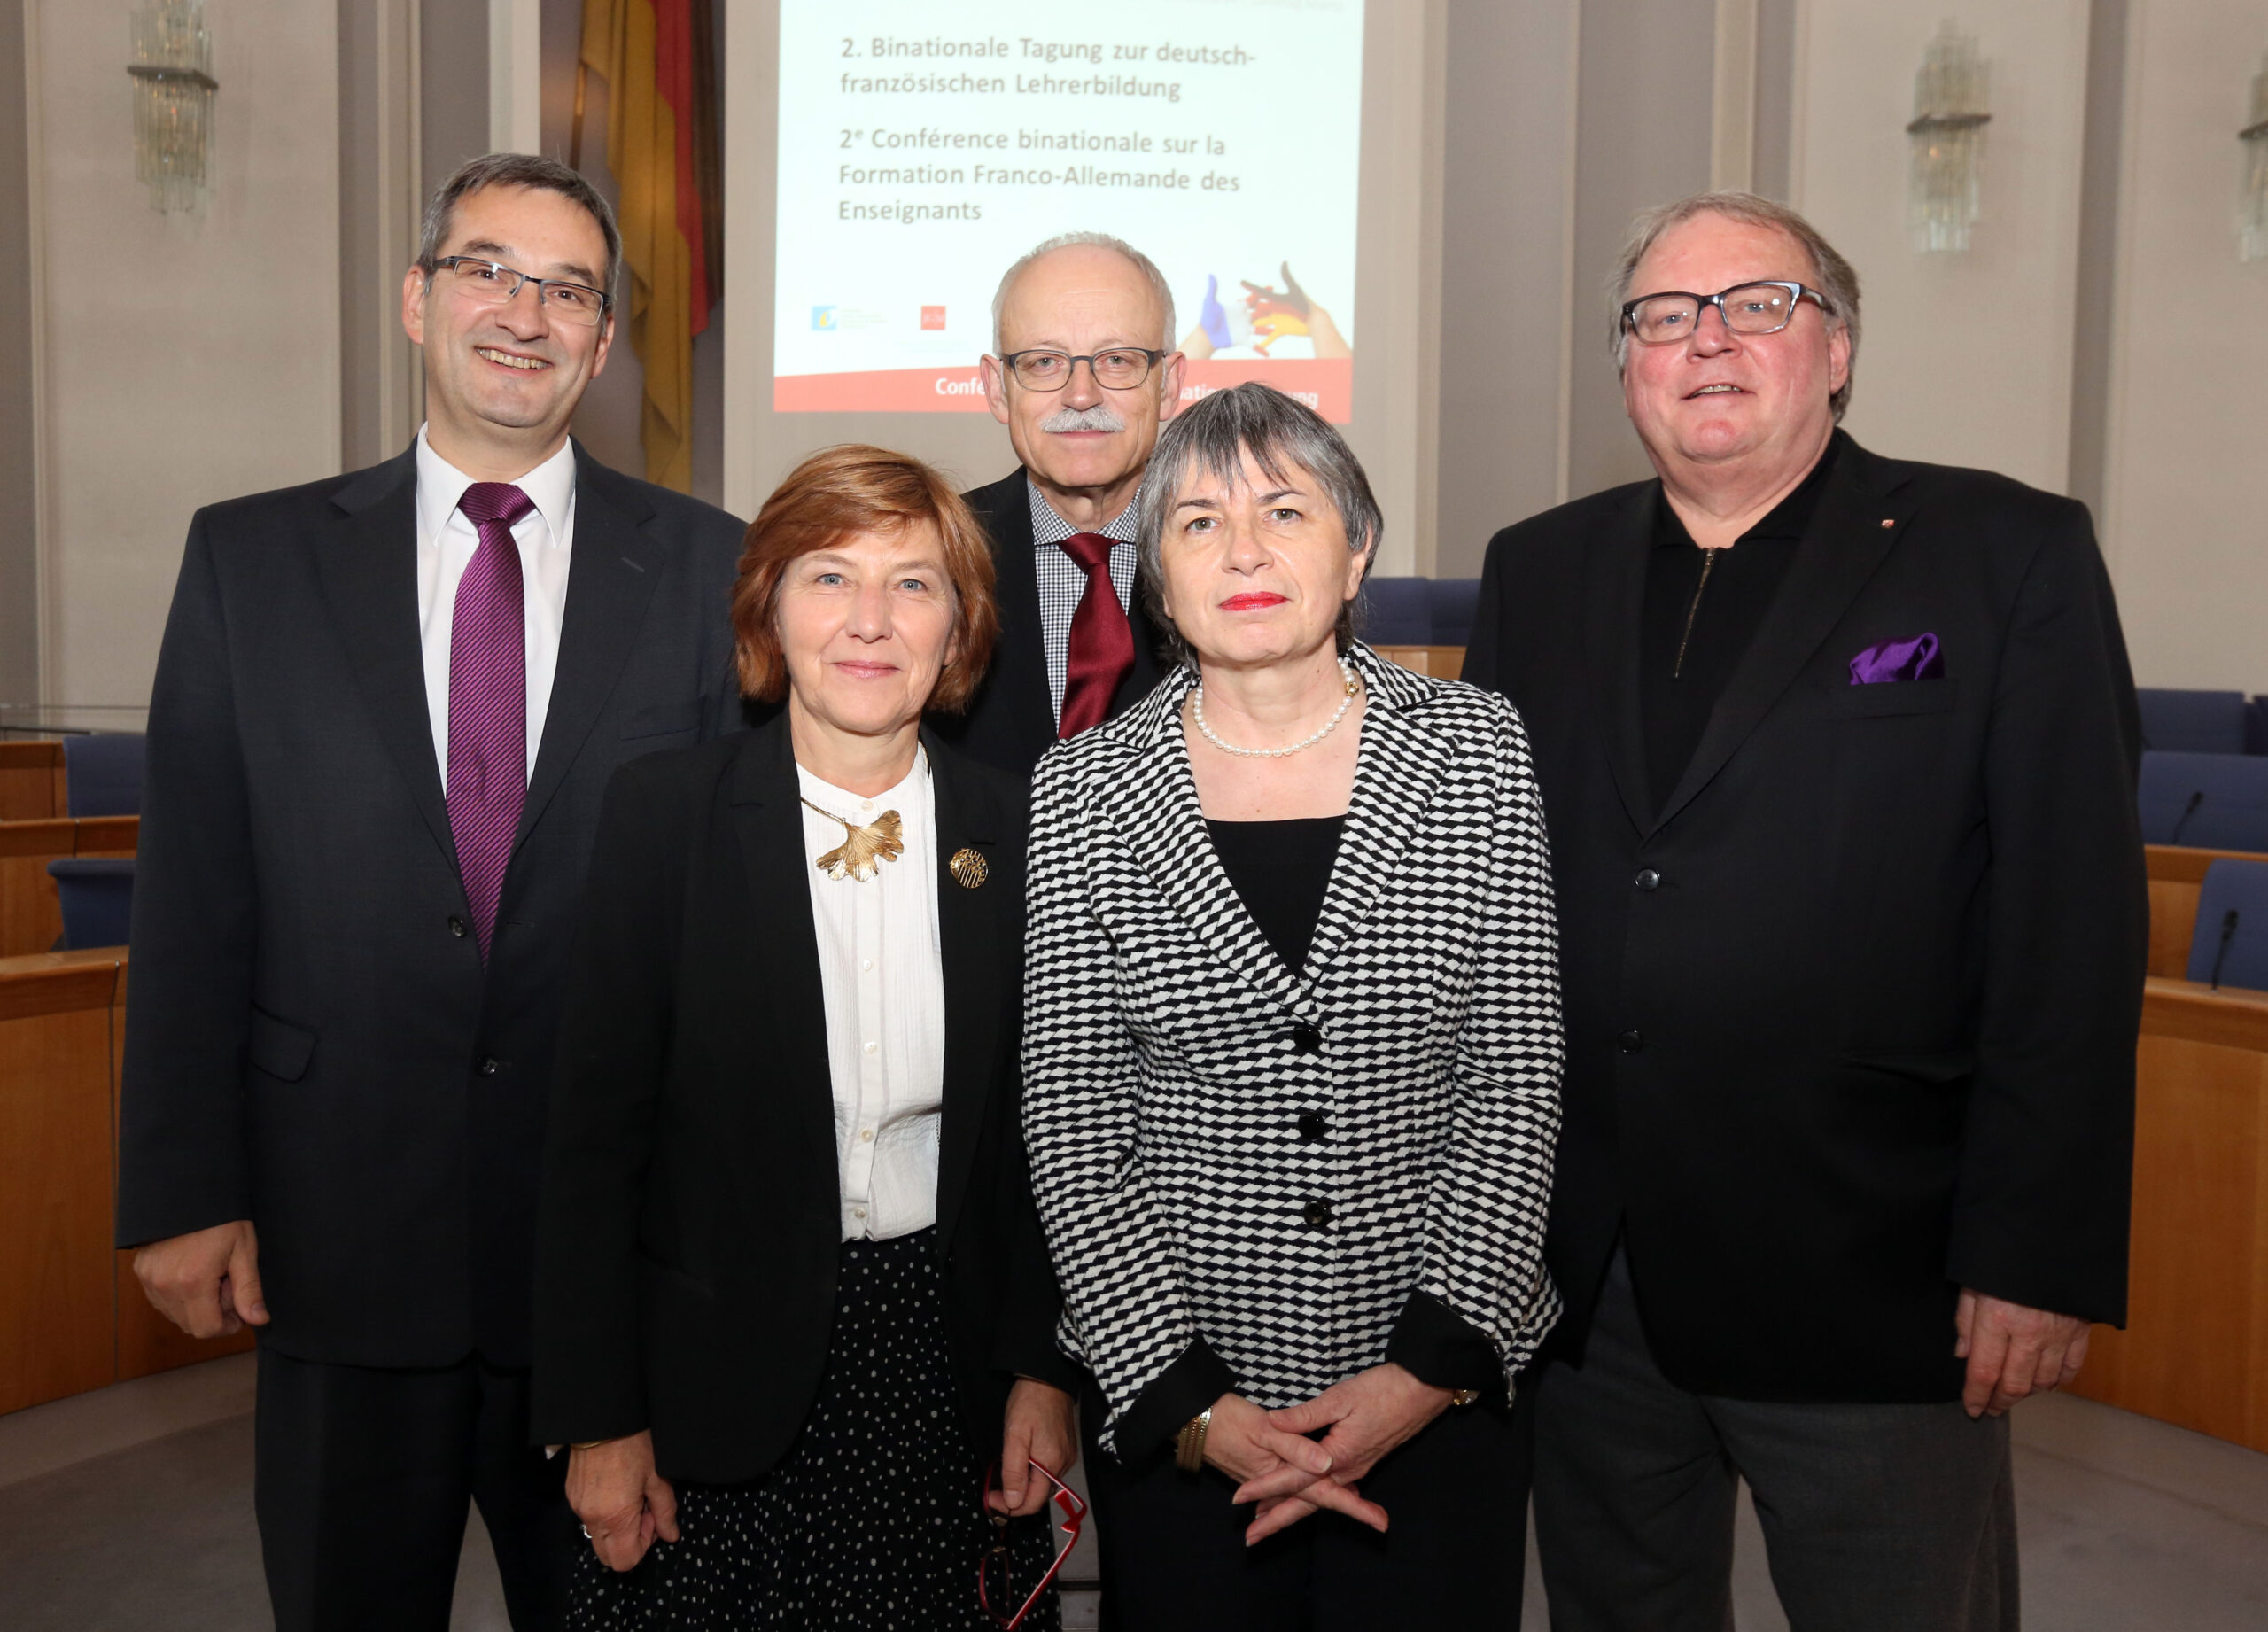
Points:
(969, 869)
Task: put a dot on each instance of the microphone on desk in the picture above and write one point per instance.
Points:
(2188, 811)
(2228, 934)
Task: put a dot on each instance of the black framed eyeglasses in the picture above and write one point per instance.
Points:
(1051, 370)
(1763, 308)
(492, 283)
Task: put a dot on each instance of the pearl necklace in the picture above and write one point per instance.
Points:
(1353, 689)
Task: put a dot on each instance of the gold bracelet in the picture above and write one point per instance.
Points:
(1189, 1445)
(588, 1445)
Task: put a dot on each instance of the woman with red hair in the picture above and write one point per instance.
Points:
(791, 1296)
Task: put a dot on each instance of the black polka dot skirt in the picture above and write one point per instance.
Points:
(872, 1522)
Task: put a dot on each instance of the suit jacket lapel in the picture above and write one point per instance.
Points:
(1856, 525)
(368, 571)
(1615, 605)
(610, 578)
(768, 820)
(973, 930)
(1165, 827)
(1019, 657)
(1394, 780)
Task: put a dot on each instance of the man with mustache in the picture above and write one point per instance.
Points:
(386, 708)
(1838, 755)
(1081, 372)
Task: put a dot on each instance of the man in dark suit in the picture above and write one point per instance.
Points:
(1837, 756)
(1083, 372)
(386, 708)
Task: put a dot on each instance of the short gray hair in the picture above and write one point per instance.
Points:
(516, 170)
(1282, 434)
(1838, 283)
(1143, 264)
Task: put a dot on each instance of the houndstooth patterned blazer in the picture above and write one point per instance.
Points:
(1169, 1057)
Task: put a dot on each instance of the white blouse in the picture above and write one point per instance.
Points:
(884, 980)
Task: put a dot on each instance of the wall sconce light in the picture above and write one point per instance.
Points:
(2252, 201)
(1947, 182)
(173, 101)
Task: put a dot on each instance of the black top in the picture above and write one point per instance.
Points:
(690, 1228)
(1281, 870)
(315, 1043)
(1855, 1010)
(1676, 698)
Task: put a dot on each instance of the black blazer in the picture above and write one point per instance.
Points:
(313, 1042)
(1851, 1019)
(1011, 722)
(691, 1213)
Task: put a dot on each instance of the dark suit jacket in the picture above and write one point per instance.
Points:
(1851, 1019)
(1011, 722)
(691, 1213)
(313, 1042)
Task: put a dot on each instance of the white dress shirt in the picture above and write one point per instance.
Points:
(1063, 581)
(884, 983)
(447, 539)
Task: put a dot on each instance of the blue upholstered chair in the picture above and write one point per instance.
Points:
(2192, 722)
(1454, 601)
(102, 774)
(2255, 726)
(2229, 947)
(97, 898)
(2212, 801)
(1397, 611)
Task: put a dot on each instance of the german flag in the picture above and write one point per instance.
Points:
(658, 58)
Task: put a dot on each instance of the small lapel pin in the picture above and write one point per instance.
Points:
(1889, 521)
(969, 869)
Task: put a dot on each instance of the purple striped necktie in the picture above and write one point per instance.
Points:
(488, 702)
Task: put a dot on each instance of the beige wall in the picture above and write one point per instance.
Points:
(175, 370)
(2184, 519)
(1966, 357)
(18, 440)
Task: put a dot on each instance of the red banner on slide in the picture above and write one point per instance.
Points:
(1325, 384)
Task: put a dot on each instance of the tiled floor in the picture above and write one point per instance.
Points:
(132, 1509)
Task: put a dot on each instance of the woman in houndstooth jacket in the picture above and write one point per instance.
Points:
(1291, 1069)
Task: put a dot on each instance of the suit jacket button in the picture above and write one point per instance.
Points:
(1630, 1042)
(1306, 1039)
(457, 926)
(1649, 881)
(1310, 1126)
(1316, 1212)
(490, 1066)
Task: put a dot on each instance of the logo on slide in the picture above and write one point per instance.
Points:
(823, 317)
(933, 317)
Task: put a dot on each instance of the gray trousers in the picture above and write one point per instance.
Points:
(1876, 1518)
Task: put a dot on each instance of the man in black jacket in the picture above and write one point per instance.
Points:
(1083, 372)
(386, 708)
(1837, 756)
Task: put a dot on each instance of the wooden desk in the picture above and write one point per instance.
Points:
(72, 1316)
(1441, 662)
(2177, 875)
(31, 780)
(2195, 1349)
(31, 918)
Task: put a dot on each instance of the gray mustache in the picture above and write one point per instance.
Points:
(1097, 417)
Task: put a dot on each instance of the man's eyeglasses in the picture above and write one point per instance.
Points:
(1114, 370)
(995, 1590)
(1764, 308)
(491, 283)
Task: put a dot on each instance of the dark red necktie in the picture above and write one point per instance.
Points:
(488, 702)
(1102, 641)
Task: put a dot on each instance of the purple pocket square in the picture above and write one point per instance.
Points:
(1915, 659)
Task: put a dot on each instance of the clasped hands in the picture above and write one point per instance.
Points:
(1289, 1475)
